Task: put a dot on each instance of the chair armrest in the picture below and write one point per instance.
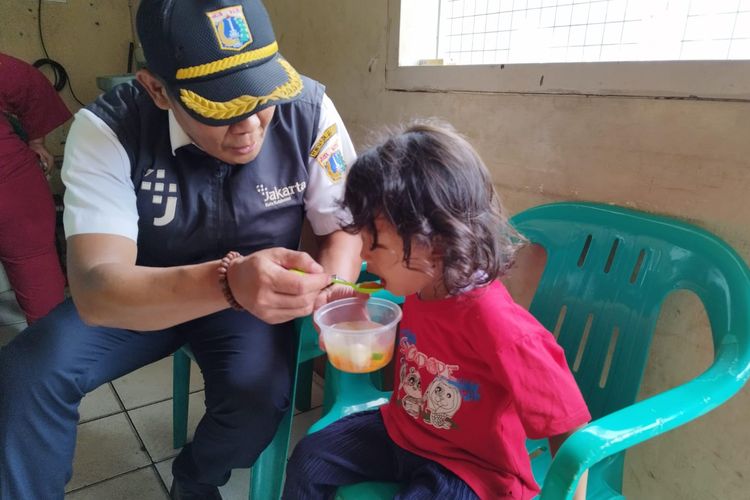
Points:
(644, 420)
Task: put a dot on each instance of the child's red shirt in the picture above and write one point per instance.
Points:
(476, 375)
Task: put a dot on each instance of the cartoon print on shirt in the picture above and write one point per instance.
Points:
(443, 399)
(411, 384)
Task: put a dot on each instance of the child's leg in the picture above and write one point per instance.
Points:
(351, 450)
(428, 480)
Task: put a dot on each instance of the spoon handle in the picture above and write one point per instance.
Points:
(334, 278)
(366, 287)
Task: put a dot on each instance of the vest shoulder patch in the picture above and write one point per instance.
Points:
(324, 137)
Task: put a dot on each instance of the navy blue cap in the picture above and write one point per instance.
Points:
(219, 58)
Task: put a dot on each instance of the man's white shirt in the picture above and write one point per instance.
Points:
(100, 196)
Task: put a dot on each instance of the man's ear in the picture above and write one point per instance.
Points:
(154, 87)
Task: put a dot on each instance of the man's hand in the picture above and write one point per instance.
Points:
(263, 284)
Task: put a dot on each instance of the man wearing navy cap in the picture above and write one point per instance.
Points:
(185, 198)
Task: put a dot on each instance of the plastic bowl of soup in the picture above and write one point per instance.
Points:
(359, 335)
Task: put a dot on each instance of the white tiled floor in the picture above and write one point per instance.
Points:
(124, 448)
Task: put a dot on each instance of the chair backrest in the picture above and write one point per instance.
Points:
(608, 272)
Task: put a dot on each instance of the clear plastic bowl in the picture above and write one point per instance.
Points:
(359, 335)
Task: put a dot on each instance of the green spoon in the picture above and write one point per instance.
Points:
(368, 287)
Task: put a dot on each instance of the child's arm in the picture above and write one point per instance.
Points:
(554, 444)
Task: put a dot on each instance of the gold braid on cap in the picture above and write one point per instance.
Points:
(243, 104)
(227, 62)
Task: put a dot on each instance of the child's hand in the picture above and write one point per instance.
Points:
(336, 292)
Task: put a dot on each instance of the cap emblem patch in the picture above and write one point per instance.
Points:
(230, 28)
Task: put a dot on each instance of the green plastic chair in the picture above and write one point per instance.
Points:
(267, 474)
(608, 272)
(268, 471)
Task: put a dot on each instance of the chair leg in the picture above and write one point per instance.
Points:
(304, 385)
(267, 476)
(180, 394)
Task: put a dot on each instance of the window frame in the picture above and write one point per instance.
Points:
(724, 80)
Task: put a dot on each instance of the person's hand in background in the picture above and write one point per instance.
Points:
(46, 160)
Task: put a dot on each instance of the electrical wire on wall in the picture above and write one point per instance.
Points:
(61, 76)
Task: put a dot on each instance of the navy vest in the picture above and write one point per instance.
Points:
(192, 207)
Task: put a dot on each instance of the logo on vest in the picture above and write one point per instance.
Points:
(158, 186)
(278, 195)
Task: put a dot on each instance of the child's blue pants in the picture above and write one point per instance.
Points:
(356, 449)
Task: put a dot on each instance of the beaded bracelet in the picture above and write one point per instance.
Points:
(224, 282)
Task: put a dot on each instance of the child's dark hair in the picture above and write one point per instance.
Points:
(428, 182)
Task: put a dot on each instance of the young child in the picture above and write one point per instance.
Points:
(476, 374)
